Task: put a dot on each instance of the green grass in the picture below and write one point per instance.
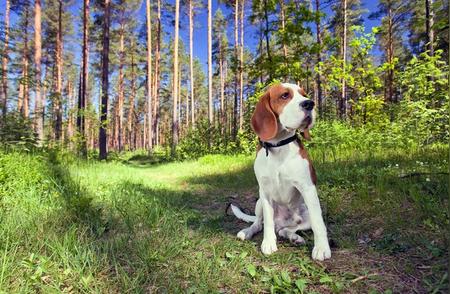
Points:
(139, 225)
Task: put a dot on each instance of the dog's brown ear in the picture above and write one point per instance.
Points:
(264, 122)
(306, 135)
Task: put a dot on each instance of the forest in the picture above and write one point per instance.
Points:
(124, 122)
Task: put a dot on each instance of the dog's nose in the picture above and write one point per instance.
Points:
(307, 104)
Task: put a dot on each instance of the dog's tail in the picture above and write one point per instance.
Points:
(241, 215)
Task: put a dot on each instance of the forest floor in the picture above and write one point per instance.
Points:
(138, 226)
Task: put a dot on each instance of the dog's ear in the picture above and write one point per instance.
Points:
(264, 121)
(306, 135)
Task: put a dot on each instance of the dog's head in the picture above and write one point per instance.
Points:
(283, 107)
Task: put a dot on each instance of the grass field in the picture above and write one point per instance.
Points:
(129, 226)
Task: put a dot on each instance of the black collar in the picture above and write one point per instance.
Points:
(267, 145)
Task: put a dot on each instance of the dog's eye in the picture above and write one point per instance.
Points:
(285, 95)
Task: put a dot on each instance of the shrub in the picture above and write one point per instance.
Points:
(17, 132)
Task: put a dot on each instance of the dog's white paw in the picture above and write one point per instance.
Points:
(241, 235)
(269, 246)
(321, 251)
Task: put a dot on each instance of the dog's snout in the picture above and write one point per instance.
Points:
(307, 104)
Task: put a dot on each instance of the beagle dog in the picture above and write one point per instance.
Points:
(288, 200)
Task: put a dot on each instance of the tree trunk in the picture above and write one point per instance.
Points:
(191, 61)
(390, 55)
(343, 102)
(130, 122)
(120, 94)
(81, 111)
(266, 33)
(23, 99)
(4, 90)
(283, 27)
(70, 112)
(319, 58)
(260, 47)
(222, 87)
(210, 102)
(102, 140)
(57, 97)
(179, 101)
(149, 79)
(429, 22)
(38, 110)
(236, 66)
(241, 72)
(157, 75)
(175, 81)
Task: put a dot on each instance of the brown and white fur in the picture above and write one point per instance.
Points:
(288, 200)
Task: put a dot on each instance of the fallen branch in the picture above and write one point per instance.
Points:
(362, 278)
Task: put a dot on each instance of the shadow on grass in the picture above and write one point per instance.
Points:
(77, 201)
(136, 211)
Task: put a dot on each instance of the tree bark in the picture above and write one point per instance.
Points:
(130, 117)
(191, 61)
(210, 105)
(57, 98)
(241, 71)
(429, 22)
(175, 81)
(222, 86)
(103, 153)
(4, 90)
(210, 102)
(23, 99)
(120, 96)
(38, 110)
(157, 78)
(343, 102)
(319, 57)
(236, 66)
(390, 79)
(81, 111)
(70, 112)
(149, 79)
(283, 27)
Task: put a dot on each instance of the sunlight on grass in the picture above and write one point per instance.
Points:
(77, 226)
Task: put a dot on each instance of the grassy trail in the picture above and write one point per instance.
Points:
(127, 227)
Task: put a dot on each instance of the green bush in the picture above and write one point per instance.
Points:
(17, 132)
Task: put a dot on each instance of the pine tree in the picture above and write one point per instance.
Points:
(4, 86)
(220, 48)
(241, 70)
(149, 78)
(83, 84)
(103, 153)
(210, 93)
(393, 14)
(39, 107)
(175, 90)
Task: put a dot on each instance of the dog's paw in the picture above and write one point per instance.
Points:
(321, 251)
(297, 240)
(269, 246)
(244, 234)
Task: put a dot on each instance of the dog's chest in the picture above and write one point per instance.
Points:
(277, 178)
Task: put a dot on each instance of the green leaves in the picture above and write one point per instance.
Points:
(251, 269)
(301, 285)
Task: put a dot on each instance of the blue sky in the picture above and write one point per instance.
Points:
(200, 32)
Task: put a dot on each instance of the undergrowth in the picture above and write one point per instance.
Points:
(140, 224)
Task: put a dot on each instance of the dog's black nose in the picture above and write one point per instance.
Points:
(307, 104)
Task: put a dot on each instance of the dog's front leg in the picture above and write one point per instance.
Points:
(269, 243)
(321, 248)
